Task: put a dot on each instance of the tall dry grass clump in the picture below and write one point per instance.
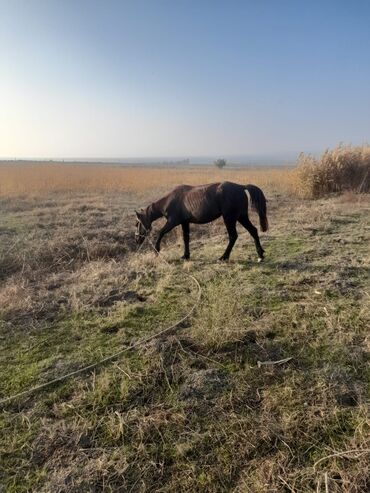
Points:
(345, 168)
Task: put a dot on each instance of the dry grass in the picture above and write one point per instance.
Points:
(35, 179)
(192, 412)
(345, 168)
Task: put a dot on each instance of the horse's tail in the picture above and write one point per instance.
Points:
(258, 202)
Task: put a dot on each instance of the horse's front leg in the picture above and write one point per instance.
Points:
(233, 236)
(166, 229)
(186, 236)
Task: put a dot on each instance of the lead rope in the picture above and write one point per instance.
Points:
(111, 357)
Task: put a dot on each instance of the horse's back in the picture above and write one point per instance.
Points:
(195, 194)
(205, 203)
(233, 196)
(195, 188)
(229, 187)
(195, 203)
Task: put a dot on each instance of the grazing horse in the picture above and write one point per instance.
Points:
(202, 204)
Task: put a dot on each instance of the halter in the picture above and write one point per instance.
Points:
(146, 231)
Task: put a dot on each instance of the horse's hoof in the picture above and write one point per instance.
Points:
(260, 259)
(185, 257)
(223, 259)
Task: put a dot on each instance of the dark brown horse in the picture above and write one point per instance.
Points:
(202, 204)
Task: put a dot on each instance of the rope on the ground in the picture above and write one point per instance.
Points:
(113, 356)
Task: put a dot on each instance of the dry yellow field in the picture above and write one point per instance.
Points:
(35, 179)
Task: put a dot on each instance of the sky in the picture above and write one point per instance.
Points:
(87, 78)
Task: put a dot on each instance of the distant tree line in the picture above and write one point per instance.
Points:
(179, 162)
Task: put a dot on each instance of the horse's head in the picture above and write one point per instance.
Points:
(143, 226)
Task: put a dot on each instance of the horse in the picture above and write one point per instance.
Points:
(202, 204)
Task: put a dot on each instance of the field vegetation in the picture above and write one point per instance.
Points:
(204, 408)
(39, 178)
(345, 168)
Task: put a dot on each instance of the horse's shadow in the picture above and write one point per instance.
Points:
(336, 272)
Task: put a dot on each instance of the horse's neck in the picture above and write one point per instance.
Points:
(154, 211)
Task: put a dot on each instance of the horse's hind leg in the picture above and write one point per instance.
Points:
(186, 236)
(233, 236)
(252, 230)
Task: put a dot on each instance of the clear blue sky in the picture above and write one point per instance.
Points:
(181, 78)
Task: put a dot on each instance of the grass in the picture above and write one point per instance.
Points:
(38, 179)
(344, 168)
(192, 411)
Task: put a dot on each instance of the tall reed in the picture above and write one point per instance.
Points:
(340, 169)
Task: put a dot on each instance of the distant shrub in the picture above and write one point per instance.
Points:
(345, 168)
(220, 163)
